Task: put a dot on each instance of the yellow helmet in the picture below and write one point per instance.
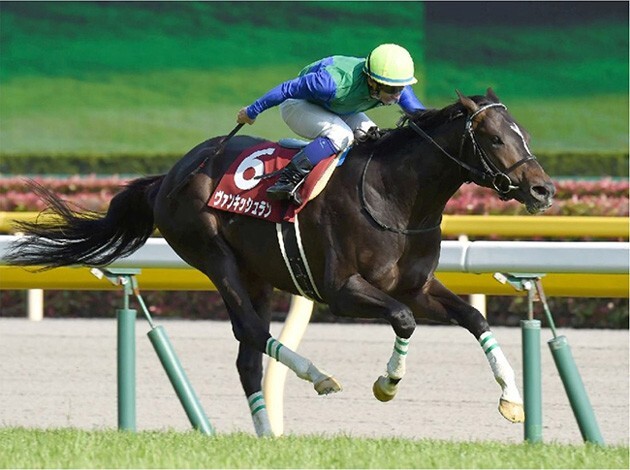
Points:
(390, 64)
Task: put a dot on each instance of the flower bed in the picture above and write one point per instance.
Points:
(604, 197)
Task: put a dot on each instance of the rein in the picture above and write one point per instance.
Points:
(401, 231)
(501, 182)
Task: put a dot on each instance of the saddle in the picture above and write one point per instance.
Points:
(242, 189)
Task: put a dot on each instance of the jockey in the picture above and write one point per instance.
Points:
(326, 102)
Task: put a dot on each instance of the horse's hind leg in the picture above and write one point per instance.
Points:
(323, 382)
(221, 267)
(443, 305)
(250, 367)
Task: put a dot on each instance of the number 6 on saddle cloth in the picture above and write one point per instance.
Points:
(242, 190)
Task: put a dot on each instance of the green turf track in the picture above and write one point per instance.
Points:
(68, 448)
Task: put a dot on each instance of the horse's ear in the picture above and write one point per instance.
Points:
(470, 105)
(490, 94)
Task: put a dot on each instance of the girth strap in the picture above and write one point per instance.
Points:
(290, 244)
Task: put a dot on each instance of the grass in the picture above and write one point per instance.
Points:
(159, 77)
(71, 448)
(171, 111)
(158, 112)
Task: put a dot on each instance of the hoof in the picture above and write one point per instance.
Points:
(384, 389)
(511, 411)
(327, 385)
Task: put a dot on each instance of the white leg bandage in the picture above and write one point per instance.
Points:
(501, 368)
(260, 417)
(396, 365)
(302, 367)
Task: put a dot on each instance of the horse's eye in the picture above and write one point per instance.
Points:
(496, 140)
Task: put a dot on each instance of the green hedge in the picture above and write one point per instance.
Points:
(556, 164)
(591, 164)
(61, 164)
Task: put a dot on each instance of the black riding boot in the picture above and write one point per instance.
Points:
(290, 178)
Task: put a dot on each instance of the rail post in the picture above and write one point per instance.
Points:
(164, 349)
(126, 347)
(532, 380)
(561, 352)
(530, 344)
(571, 379)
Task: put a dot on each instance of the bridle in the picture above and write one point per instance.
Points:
(500, 180)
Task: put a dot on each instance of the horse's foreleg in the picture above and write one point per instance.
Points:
(358, 298)
(386, 386)
(443, 305)
(510, 403)
(303, 368)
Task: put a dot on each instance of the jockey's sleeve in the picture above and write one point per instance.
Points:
(318, 87)
(409, 102)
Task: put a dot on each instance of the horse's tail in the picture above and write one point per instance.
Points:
(69, 237)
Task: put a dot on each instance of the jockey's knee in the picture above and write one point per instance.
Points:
(339, 137)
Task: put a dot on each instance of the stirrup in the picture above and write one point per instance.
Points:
(291, 195)
(277, 195)
(295, 197)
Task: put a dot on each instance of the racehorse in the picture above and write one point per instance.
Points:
(371, 237)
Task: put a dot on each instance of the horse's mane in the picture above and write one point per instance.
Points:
(429, 119)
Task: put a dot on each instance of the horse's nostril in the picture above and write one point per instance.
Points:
(540, 192)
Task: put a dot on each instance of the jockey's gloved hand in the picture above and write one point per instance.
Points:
(243, 118)
(373, 133)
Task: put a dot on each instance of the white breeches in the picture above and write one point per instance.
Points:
(311, 121)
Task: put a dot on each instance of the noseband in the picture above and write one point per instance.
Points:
(500, 180)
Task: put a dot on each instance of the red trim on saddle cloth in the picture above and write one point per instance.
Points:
(240, 192)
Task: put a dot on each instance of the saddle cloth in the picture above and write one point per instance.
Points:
(241, 190)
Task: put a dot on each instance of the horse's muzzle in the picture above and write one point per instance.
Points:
(540, 197)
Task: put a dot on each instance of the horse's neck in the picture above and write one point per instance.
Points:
(425, 179)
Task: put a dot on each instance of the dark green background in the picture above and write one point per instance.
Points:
(158, 77)
(524, 48)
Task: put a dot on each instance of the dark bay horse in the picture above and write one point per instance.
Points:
(371, 238)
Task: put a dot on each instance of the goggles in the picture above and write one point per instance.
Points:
(390, 90)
